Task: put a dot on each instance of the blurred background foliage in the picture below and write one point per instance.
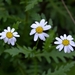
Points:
(40, 60)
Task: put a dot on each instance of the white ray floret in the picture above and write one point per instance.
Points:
(38, 30)
(65, 42)
(8, 35)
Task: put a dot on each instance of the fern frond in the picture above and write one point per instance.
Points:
(62, 70)
(32, 4)
(29, 52)
(56, 55)
(47, 44)
(13, 51)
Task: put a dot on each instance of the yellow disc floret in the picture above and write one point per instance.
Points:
(65, 42)
(39, 29)
(9, 35)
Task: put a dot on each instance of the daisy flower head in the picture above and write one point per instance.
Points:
(8, 35)
(38, 29)
(65, 42)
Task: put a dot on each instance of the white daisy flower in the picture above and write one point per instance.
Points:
(38, 30)
(8, 35)
(65, 42)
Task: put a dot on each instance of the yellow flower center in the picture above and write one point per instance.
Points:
(39, 29)
(9, 35)
(65, 42)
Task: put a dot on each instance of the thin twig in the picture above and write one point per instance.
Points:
(68, 11)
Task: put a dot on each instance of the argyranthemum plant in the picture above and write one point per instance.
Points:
(8, 35)
(38, 30)
(65, 42)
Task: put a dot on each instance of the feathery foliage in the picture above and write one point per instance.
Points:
(29, 57)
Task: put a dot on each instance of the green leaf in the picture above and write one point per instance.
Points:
(13, 51)
(43, 16)
(8, 1)
(56, 55)
(61, 71)
(47, 44)
(16, 25)
(32, 3)
(28, 52)
(50, 22)
(3, 14)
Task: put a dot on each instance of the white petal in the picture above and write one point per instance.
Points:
(65, 37)
(9, 41)
(37, 23)
(5, 40)
(58, 39)
(32, 31)
(72, 43)
(65, 49)
(46, 35)
(57, 42)
(59, 46)
(5, 30)
(35, 37)
(68, 50)
(41, 36)
(69, 37)
(70, 47)
(47, 27)
(13, 43)
(15, 33)
(0, 34)
(12, 30)
(8, 28)
(42, 22)
(33, 26)
(3, 35)
(62, 37)
(13, 40)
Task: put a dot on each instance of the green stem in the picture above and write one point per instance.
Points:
(53, 4)
(37, 43)
(68, 11)
(35, 66)
(21, 69)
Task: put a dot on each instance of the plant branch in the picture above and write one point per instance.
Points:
(68, 11)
